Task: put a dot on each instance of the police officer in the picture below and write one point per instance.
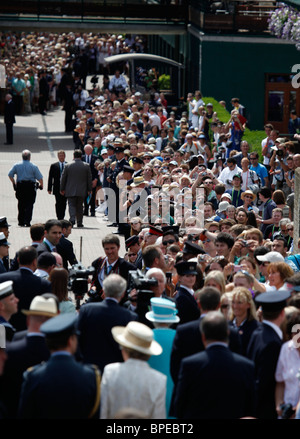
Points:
(185, 301)
(8, 307)
(61, 388)
(25, 186)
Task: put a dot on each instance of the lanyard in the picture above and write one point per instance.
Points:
(237, 198)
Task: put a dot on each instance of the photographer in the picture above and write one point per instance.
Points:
(109, 264)
(279, 164)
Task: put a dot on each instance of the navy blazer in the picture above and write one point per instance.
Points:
(187, 306)
(215, 384)
(22, 354)
(54, 178)
(61, 388)
(26, 286)
(66, 251)
(96, 343)
(264, 348)
(94, 171)
(188, 341)
(124, 268)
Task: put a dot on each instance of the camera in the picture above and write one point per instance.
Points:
(138, 281)
(287, 411)
(78, 282)
(279, 153)
(229, 181)
(244, 242)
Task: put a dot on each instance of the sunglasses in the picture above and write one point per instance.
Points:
(249, 196)
(147, 158)
(290, 229)
(131, 254)
(224, 306)
(171, 241)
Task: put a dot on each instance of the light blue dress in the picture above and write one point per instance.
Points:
(165, 337)
(66, 307)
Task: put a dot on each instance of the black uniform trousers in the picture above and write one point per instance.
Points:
(26, 195)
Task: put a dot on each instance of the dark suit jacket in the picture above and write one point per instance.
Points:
(123, 270)
(95, 321)
(188, 341)
(264, 348)
(215, 384)
(26, 286)
(187, 306)
(65, 249)
(92, 165)
(22, 354)
(54, 178)
(9, 112)
(61, 388)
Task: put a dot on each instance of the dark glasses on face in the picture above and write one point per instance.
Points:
(171, 241)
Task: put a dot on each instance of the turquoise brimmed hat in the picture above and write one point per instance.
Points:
(162, 311)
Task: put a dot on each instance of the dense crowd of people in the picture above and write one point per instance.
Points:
(205, 301)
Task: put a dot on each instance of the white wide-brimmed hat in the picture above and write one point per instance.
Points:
(42, 306)
(138, 337)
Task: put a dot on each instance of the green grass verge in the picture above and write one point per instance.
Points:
(253, 137)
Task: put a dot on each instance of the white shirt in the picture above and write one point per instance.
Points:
(288, 366)
(227, 174)
(192, 292)
(101, 275)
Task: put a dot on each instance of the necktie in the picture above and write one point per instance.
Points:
(61, 168)
(109, 268)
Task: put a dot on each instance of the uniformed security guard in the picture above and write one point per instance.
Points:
(61, 388)
(25, 186)
(8, 307)
(185, 301)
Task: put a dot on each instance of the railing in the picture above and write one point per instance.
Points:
(148, 9)
(231, 16)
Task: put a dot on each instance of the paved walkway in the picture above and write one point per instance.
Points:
(44, 136)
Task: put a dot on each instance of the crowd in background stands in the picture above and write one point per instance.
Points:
(217, 206)
(28, 56)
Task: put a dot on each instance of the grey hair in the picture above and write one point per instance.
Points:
(155, 270)
(284, 222)
(26, 154)
(114, 285)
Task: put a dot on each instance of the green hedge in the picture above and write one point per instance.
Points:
(253, 137)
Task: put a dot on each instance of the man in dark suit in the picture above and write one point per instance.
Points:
(113, 211)
(264, 348)
(9, 118)
(188, 340)
(185, 301)
(65, 246)
(27, 351)
(76, 184)
(112, 263)
(60, 388)
(55, 172)
(53, 232)
(96, 320)
(215, 383)
(37, 232)
(90, 158)
(25, 284)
